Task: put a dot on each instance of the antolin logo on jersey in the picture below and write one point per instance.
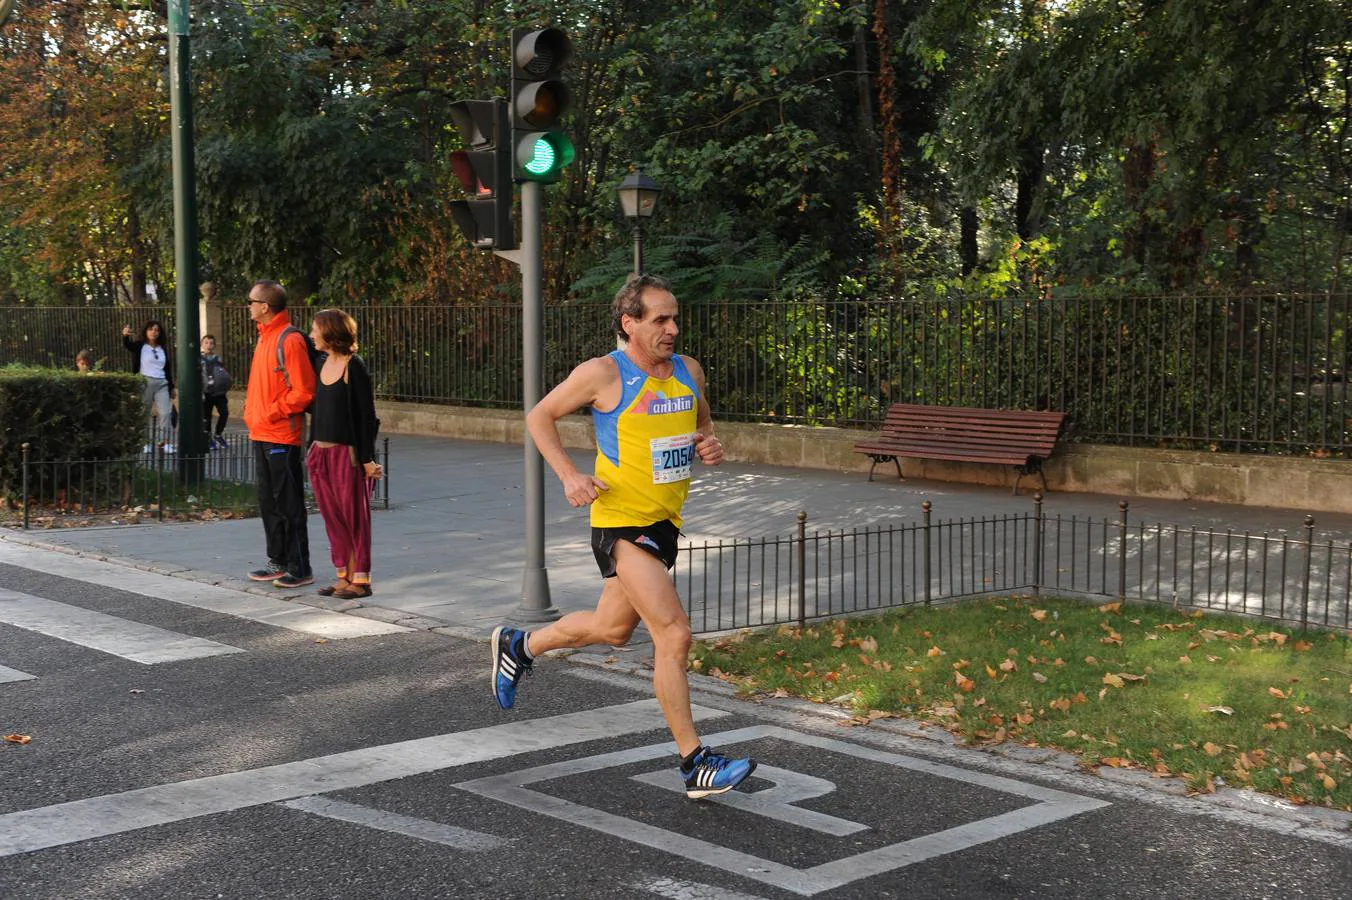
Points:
(654, 404)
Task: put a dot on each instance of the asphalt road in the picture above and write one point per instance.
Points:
(191, 751)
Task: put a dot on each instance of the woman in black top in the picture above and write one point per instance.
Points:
(341, 458)
(151, 359)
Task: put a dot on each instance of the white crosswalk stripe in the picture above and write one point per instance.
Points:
(267, 610)
(8, 674)
(99, 631)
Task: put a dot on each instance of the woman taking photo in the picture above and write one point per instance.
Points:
(151, 360)
(342, 453)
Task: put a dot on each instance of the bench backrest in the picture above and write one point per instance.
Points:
(1005, 433)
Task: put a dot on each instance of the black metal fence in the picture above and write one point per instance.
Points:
(149, 485)
(806, 576)
(1261, 373)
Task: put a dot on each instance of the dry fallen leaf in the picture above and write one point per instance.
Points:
(868, 645)
(965, 684)
(1039, 614)
(19, 738)
(934, 651)
(1211, 749)
(1220, 709)
(1113, 680)
(1008, 665)
(1110, 608)
(1039, 678)
(1279, 693)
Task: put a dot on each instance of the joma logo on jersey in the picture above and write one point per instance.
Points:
(657, 405)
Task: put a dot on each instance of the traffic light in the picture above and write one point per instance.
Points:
(484, 169)
(539, 100)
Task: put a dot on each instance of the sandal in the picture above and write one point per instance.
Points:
(353, 592)
(333, 589)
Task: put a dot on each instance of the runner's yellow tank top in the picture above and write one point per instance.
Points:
(645, 446)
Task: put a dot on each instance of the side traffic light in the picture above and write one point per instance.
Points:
(484, 170)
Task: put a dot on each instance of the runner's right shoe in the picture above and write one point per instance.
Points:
(713, 773)
(509, 663)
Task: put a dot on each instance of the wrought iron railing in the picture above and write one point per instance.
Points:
(806, 576)
(1262, 373)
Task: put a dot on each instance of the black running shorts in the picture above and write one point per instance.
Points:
(659, 539)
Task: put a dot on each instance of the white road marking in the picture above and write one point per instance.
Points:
(242, 605)
(379, 819)
(7, 674)
(676, 889)
(82, 820)
(1050, 806)
(109, 634)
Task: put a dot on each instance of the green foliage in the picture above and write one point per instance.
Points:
(62, 415)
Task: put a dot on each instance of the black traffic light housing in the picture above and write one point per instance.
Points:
(540, 149)
(484, 170)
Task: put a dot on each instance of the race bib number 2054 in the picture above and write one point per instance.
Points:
(672, 457)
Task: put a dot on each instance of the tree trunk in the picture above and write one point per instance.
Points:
(967, 246)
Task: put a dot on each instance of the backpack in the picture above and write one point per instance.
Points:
(216, 379)
(281, 353)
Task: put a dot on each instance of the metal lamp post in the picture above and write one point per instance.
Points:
(638, 198)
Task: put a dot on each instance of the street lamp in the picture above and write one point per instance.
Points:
(638, 197)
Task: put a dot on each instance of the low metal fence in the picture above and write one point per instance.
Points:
(1297, 578)
(150, 485)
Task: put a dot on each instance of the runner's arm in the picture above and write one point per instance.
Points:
(581, 388)
(709, 447)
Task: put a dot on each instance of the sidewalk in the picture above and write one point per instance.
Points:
(450, 548)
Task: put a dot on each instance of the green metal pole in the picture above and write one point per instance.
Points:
(191, 435)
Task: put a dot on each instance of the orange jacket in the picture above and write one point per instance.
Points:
(272, 411)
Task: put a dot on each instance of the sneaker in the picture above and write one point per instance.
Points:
(219, 443)
(713, 773)
(270, 572)
(293, 581)
(169, 448)
(147, 450)
(509, 663)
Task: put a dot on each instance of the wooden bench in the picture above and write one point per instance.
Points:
(1013, 437)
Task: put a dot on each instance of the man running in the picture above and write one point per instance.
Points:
(651, 419)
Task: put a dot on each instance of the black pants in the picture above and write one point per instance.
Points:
(220, 403)
(281, 504)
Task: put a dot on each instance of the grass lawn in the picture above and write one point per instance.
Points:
(1210, 699)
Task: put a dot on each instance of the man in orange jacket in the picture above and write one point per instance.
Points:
(281, 386)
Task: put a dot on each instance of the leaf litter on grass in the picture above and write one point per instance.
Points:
(1210, 699)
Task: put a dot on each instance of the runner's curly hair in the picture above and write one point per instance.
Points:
(629, 300)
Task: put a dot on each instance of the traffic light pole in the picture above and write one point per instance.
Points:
(535, 601)
(191, 435)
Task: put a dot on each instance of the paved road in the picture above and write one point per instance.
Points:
(192, 741)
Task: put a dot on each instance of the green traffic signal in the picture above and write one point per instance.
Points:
(540, 155)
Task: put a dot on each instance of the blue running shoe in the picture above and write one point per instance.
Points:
(509, 663)
(713, 773)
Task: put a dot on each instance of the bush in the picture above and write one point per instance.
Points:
(67, 416)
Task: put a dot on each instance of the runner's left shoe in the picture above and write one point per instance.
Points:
(713, 773)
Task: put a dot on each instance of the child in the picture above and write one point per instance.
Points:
(84, 362)
(215, 383)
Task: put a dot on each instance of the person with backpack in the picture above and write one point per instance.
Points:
(281, 387)
(216, 383)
